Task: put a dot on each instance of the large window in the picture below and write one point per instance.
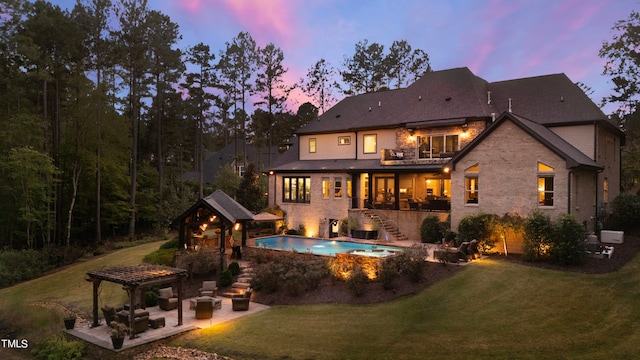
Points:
(437, 146)
(545, 185)
(370, 144)
(312, 145)
(296, 189)
(471, 185)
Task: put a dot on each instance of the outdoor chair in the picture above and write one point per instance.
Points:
(140, 324)
(462, 251)
(204, 308)
(240, 302)
(166, 299)
(123, 316)
(110, 314)
(208, 289)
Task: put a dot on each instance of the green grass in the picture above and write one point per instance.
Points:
(490, 309)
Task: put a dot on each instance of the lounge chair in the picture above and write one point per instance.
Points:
(140, 324)
(240, 302)
(204, 308)
(110, 314)
(472, 250)
(208, 288)
(167, 299)
(462, 251)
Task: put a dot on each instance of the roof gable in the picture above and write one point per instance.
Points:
(574, 158)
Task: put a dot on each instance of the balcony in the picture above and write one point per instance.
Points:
(396, 157)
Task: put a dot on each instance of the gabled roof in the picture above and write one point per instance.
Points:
(221, 204)
(573, 157)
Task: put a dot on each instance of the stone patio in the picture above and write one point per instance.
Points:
(101, 335)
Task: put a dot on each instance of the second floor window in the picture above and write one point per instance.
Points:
(312, 145)
(437, 146)
(337, 187)
(370, 144)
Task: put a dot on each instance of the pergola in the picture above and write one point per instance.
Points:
(136, 277)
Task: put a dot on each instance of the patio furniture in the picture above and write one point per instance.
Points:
(167, 300)
(240, 302)
(208, 288)
(413, 204)
(462, 251)
(123, 315)
(110, 314)
(473, 249)
(204, 308)
(157, 322)
(140, 324)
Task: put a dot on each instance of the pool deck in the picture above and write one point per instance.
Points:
(101, 335)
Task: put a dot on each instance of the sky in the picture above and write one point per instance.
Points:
(496, 39)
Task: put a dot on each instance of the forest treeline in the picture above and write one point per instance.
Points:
(102, 115)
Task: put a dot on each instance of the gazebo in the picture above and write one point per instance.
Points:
(133, 278)
(216, 210)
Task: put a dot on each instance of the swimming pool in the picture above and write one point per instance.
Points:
(325, 247)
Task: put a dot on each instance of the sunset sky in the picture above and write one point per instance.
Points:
(496, 39)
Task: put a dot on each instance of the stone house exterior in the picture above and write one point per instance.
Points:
(451, 144)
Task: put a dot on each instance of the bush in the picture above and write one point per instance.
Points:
(567, 246)
(626, 211)
(357, 281)
(412, 262)
(198, 262)
(171, 244)
(59, 348)
(537, 230)
(347, 224)
(431, 230)
(150, 298)
(267, 277)
(481, 227)
(21, 265)
(293, 281)
(234, 267)
(388, 272)
(290, 271)
(226, 278)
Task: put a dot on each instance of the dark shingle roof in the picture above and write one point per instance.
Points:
(573, 157)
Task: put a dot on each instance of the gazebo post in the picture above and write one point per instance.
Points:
(132, 294)
(96, 285)
(179, 300)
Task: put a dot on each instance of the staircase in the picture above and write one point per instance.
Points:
(389, 227)
(243, 282)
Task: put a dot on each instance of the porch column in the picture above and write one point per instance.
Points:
(96, 285)
(396, 191)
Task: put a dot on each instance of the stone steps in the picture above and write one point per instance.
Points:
(243, 282)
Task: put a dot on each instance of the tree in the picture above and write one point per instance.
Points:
(249, 193)
(364, 71)
(319, 84)
(623, 63)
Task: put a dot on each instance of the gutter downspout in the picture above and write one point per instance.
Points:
(569, 192)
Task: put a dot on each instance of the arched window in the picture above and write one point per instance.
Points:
(545, 185)
(471, 195)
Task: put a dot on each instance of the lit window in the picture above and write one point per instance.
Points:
(545, 185)
(337, 187)
(344, 140)
(471, 184)
(605, 191)
(326, 188)
(437, 146)
(370, 144)
(349, 187)
(296, 189)
(312, 145)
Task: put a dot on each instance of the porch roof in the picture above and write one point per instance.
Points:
(351, 165)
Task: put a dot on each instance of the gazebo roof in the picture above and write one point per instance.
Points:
(137, 275)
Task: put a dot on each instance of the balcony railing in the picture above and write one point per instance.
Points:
(409, 157)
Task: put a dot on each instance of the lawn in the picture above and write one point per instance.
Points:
(491, 309)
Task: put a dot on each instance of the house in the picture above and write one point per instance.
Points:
(451, 144)
(232, 155)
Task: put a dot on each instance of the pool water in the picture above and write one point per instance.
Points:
(325, 247)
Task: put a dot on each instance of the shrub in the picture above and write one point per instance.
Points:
(537, 230)
(150, 298)
(357, 281)
(267, 277)
(481, 227)
(198, 262)
(388, 272)
(293, 281)
(567, 246)
(59, 348)
(626, 211)
(412, 262)
(171, 244)
(226, 278)
(431, 230)
(234, 267)
(347, 224)
(20, 265)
